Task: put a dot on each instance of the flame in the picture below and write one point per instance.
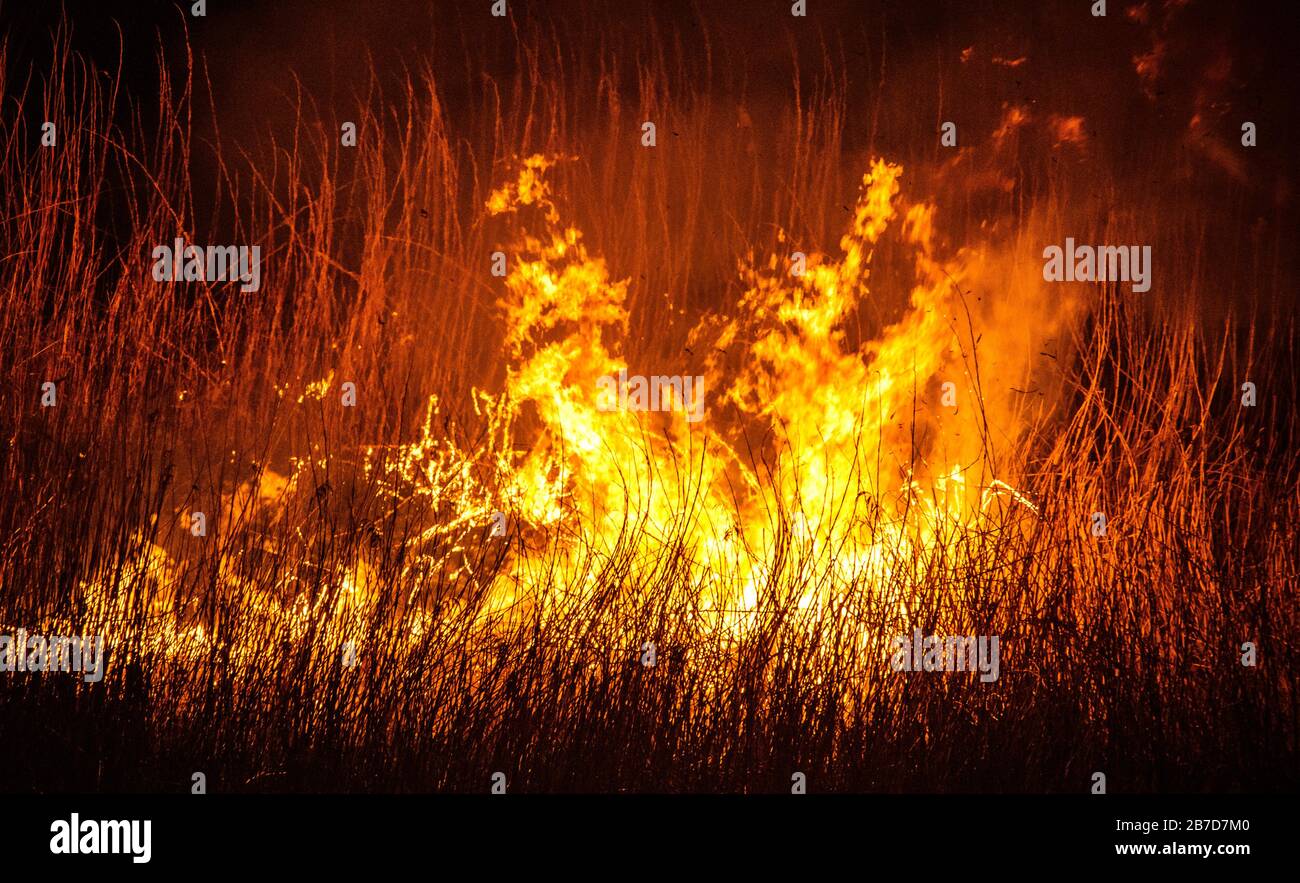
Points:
(839, 412)
(865, 480)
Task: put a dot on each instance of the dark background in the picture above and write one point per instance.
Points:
(1222, 63)
(253, 53)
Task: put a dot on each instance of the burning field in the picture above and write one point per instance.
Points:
(640, 402)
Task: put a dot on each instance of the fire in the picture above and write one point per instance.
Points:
(639, 470)
(846, 494)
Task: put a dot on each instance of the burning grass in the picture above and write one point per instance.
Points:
(765, 556)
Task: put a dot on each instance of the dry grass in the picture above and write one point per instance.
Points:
(1120, 653)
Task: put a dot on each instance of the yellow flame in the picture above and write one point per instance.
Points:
(867, 475)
